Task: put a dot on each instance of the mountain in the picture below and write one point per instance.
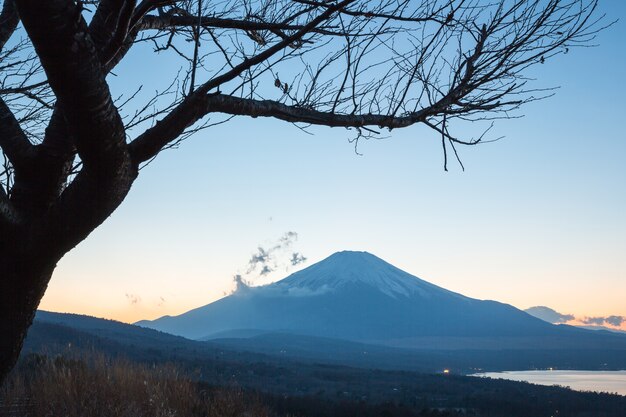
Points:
(548, 314)
(603, 329)
(359, 297)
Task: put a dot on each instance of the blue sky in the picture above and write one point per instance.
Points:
(537, 218)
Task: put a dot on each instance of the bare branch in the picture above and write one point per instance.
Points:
(13, 141)
(190, 110)
(75, 76)
(221, 103)
(268, 53)
(441, 15)
(9, 20)
(173, 21)
(105, 22)
(121, 32)
(392, 77)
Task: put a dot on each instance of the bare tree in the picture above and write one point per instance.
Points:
(71, 151)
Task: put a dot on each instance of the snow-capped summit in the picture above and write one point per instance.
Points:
(347, 268)
(355, 296)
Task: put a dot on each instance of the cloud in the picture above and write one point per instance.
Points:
(261, 257)
(547, 314)
(598, 321)
(297, 258)
(270, 258)
(615, 321)
(287, 239)
(133, 299)
(277, 290)
(240, 283)
(265, 270)
(307, 292)
(551, 316)
(267, 259)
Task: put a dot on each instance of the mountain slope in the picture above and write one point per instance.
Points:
(357, 296)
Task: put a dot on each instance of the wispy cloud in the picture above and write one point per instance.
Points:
(133, 299)
(260, 258)
(554, 317)
(297, 258)
(268, 258)
(614, 321)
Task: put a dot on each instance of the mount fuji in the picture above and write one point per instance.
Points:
(357, 296)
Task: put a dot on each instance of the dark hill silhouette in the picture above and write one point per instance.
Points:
(55, 333)
(318, 382)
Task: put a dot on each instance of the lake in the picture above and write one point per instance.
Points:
(603, 381)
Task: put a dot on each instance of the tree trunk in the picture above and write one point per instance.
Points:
(29, 251)
(23, 282)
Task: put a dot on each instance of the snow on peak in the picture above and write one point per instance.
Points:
(348, 267)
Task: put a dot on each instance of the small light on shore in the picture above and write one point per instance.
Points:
(446, 371)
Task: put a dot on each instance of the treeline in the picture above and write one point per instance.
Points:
(92, 384)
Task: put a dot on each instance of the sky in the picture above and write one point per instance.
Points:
(537, 218)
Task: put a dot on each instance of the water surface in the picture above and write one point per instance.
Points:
(601, 381)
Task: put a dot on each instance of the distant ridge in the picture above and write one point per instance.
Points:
(55, 333)
(552, 316)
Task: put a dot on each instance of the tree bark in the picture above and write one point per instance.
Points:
(23, 281)
(29, 252)
(54, 218)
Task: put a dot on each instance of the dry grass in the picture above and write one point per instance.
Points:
(97, 386)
